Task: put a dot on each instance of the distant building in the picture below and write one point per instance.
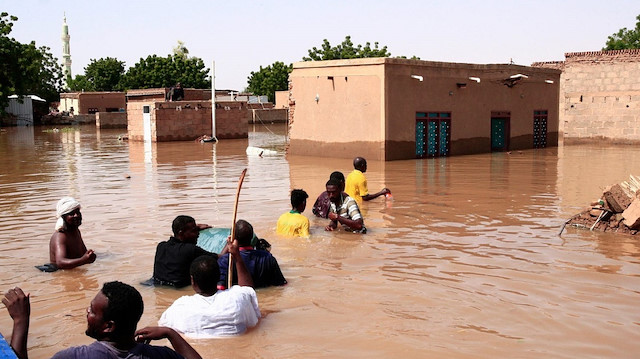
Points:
(22, 110)
(391, 109)
(152, 119)
(599, 95)
(88, 103)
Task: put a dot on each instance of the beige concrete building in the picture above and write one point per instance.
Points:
(599, 95)
(389, 109)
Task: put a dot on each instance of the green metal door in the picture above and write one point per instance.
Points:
(499, 135)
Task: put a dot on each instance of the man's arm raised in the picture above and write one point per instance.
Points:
(177, 341)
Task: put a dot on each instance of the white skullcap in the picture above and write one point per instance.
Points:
(64, 206)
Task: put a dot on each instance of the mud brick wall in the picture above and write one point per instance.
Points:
(187, 120)
(111, 120)
(232, 119)
(600, 96)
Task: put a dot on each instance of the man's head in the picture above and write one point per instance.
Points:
(205, 274)
(185, 229)
(299, 200)
(68, 213)
(360, 164)
(244, 233)
(114, 312)
(178, 85)
(333, 190)
(337, 175)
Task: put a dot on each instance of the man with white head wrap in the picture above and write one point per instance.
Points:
(66, 247)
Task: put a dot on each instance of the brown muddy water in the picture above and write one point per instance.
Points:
(465, 262)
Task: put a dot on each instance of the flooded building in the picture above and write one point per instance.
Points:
(599, 95)
(390, 109)
(152, 118)
(88, 103)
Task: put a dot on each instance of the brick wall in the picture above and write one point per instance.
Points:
(600, 96)
(187, 120)
(111, 119)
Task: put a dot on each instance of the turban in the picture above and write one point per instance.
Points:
(64, 206)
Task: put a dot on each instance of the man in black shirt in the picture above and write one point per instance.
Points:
(174, 257)
(176, 93)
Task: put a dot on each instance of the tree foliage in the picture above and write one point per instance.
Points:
(26, 69)
(104, 74)
(270, 79)
(156, 71)
(625, 39)
(346, 50)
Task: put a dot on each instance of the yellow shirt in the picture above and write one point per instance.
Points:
(356, 186)
(293, 224)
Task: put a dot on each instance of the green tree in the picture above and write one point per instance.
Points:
(270, 79)
(80, 83)
(625, 39)
(346, 50)
(156, 71)
(104, 74)
(26, 69)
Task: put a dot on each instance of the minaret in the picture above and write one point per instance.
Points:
(66, 51)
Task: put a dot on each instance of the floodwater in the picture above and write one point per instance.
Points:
(465, 262)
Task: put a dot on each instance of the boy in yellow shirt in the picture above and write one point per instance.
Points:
(293, 223)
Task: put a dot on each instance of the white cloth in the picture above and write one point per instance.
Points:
(64, 206)
(226, 313)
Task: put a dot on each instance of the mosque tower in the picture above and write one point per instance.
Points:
(66, 51)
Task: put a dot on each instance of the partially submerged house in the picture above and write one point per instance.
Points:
(151, 118)
(599, 95)
(88, 103)
(390, 109)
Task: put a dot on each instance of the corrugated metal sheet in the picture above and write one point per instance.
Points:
(23, 111)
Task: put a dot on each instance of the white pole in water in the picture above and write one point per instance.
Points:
(213, 100)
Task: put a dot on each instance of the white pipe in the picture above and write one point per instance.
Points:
(213, 100)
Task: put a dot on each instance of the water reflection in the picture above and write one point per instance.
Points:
(464, 262)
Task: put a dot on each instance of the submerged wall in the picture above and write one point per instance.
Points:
(186, 120)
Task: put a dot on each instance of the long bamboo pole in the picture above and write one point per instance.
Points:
(233, 229)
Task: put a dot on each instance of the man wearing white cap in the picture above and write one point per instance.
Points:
(66, 247)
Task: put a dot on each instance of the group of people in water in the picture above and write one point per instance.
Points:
(214, 310)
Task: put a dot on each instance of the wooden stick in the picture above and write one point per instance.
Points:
(233, 230)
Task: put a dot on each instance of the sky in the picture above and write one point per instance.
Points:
(241, 36)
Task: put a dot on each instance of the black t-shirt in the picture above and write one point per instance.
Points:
(172, 262)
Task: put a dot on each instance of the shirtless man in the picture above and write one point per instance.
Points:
(66, 247)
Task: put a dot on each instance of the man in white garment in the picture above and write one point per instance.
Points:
(211, 313)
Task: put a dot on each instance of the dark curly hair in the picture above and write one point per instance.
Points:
(205, 273)
(297, 197)
(124, 307)
(180, 222)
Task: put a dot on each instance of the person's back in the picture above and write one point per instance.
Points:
(173, 257)
(211, 313)
(356, 184)
(261, 264)
(294, 223)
